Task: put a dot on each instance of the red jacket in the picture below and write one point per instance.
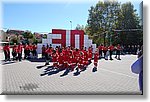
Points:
(26, 47)
(54, 57)
(96, 56)
(49, 51)
(19, 48)
(100, 47)
(14, 48)
(111, 48)
(118, 47)
(34, 47)
(6, 48)
(60, 58)
(105, 48)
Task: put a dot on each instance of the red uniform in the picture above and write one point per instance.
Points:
(49, 51)
(55, 59)
(111, 48)
(34, 47)
(26, 47)
(100, 47)
(119, 47)
(19, 48)
(6, 49)
(85, 60)
(96, 59)
(60, 60)
(105, 48)
(89, 53)
(14, 48)
(80, 62)
(30, 47)
(76, 56)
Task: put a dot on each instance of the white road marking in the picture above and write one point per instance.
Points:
(118, 73)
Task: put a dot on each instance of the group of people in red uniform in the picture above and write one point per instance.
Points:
(70, 58)
(30, 49)
(17, 51)
(105, 51)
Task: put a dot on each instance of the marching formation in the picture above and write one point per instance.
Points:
(64, 58)
(69, 58)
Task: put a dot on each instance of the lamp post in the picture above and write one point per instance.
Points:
(71, 24)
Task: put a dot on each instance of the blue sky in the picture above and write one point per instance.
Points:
(45, 16)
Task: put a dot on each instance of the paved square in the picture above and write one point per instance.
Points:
(112, 77)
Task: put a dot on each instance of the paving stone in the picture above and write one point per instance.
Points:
(112, 77)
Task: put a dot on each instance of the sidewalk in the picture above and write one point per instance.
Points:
(112, 77)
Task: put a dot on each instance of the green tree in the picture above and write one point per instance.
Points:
(130, 20)
(107, 17)
(28, 35)
(102, 20)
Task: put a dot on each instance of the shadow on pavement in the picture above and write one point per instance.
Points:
(36, 60)
(5, 63)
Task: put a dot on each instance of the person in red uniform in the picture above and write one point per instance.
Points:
(105, 49)
(34, 50)
(71, 61)
(60, 60)
(43, 51)
(89, 54)
(31, 50)
(76, 55)
(111, 48)
(118, 51)
(55, 59)
(85, 59)
(100, 48)
(48, 55)
(65, 55)
(26, 51)
(19, 50)
(6, 49)
(14, 51)
(96, 57)
(80, 63)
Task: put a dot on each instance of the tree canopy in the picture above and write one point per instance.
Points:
(111, 22)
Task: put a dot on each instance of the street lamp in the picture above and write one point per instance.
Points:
(71, 24)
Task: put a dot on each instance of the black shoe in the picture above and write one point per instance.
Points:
(94, 69)
(46, 64)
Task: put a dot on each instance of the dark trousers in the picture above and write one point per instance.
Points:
(118, 54)
(110, 52)
(100, 53)
(6, 55)
(104, 53)
(19, 56)
(14, 54)
(34, 53)
(25, 54)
